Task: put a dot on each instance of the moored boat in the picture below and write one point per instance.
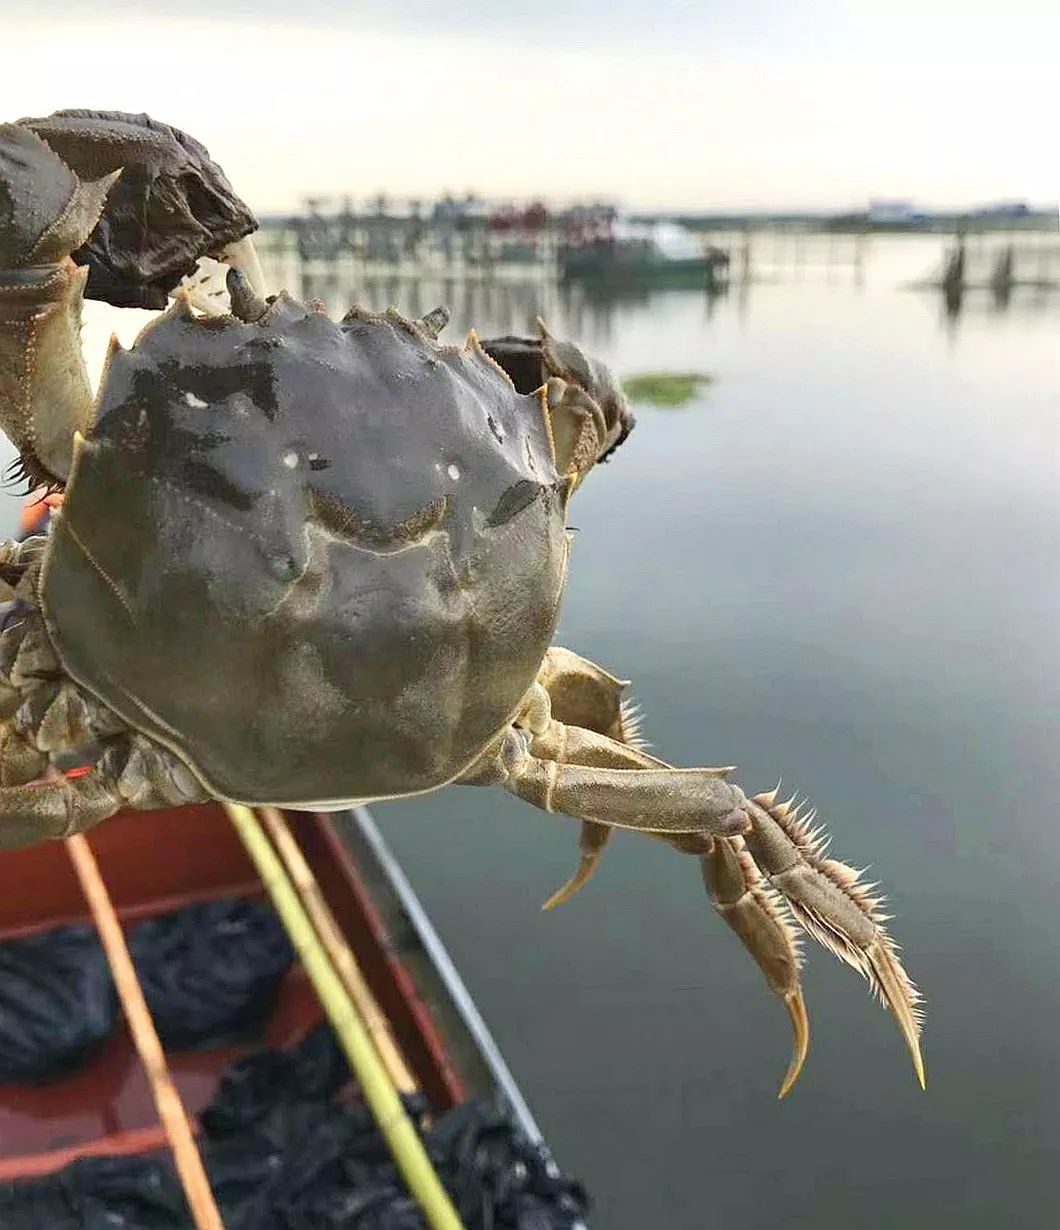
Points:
(661, 253)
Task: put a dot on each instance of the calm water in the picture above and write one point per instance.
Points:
(837, 566)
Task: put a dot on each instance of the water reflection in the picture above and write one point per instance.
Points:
(997, 277)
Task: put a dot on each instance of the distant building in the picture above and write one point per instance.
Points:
(1004, 209)
(885, 210)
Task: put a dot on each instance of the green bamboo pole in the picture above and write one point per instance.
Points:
(379, 1092)
(339, 954)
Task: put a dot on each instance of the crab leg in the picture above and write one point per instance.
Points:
(583, 694)
(572, 770)
(580, 693)
(755, 911)
(50, 717)
(54, 808)
(20, 761)
(592, 841)
(663, 801)
(130, 772)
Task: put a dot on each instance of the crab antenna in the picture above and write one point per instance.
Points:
(247, 305)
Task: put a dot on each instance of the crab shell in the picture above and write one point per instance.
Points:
(319, 561)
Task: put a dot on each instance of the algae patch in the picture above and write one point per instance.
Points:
(670, 390)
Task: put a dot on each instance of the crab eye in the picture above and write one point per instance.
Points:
(453, 472)
(290, 459)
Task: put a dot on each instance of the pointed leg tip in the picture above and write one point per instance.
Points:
(790, 1077)
(901, 999)
(800, 1024)
(585, 869)
(565, 893)
(918, 1064)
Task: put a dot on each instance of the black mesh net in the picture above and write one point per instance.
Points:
(289, 1146)
(57, 1002)
(210, 974)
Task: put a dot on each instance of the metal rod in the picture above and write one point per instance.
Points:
(461, 997)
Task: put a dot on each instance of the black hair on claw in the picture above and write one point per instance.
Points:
(24, 474)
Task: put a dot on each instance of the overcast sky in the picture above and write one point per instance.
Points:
(804, 103)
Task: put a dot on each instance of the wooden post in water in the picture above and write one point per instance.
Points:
(1003, 278)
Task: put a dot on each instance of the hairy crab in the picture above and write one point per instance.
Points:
(306, 563)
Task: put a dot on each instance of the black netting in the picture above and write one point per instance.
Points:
(57, 1002)
(210, 972)
(289, 1147)
(286, 1149)
(98, 1193)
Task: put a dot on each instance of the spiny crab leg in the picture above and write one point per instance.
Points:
(776, 866)
(761, 858)
(831, 902)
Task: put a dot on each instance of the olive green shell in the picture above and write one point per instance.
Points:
(320, 561)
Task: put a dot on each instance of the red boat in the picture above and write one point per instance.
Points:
(106, 1106)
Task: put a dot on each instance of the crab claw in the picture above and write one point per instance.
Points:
(46, 211)
(172, 205)
(51, 211)
(242, 257)
(533, 363)
(570, 363)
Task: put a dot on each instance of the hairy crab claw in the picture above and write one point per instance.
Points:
(105, 205)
